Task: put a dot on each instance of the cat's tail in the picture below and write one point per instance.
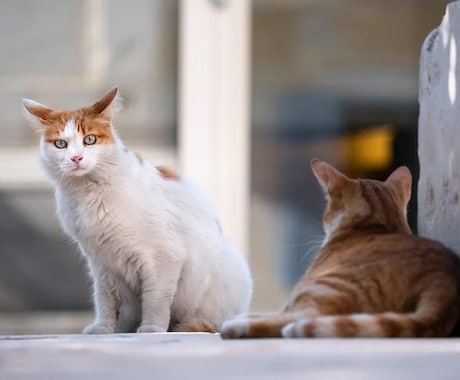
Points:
(432, 318)
(257, 327)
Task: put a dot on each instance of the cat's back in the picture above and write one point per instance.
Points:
(164, 189)
(379, 272)
(385, 271)
(393, 251)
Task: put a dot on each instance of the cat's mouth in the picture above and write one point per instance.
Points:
(78, 170)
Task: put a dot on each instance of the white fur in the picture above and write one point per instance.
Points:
(320, 290)
(27, 115)
(293, 330)
(235, 328)
(330, 227)
(323, 327)
(368, 323)
(153, 246)
(326, 326)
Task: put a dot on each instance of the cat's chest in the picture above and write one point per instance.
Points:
(94, 213)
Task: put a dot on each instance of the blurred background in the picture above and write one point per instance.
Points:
(330, 79)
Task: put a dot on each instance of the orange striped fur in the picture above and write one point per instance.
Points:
(92, 120)
(372, 277)
(168, 173)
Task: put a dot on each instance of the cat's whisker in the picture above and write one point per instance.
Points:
(61, 176)
(315, 240)
(312, 249)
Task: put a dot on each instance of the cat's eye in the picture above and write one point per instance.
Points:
(89, 139)
(60, 144)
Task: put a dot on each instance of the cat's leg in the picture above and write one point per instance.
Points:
(225, 294)
(129, 317)
(106, 304)
(158, 288)
(262, 327)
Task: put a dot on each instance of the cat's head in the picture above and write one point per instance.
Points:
(74, 142)
(364, 204)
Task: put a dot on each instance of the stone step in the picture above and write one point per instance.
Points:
(206, 356)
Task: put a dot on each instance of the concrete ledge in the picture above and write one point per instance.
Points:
(44, 322)
(206, 356)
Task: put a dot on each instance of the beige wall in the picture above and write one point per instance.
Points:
(65, 53)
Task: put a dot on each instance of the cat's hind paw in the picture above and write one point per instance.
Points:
(235, 328)
(96, 328)
(150, 328)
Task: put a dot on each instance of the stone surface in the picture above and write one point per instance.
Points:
(439, 138)
(206, 356)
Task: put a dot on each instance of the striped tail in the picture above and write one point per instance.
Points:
(260, 327)
(430, 319)
(434, 317)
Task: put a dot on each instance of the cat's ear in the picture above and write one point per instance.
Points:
(402, 179)
(328, 177)
(107, 106)
(35, 113)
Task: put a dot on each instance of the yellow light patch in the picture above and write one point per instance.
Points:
(371, 149)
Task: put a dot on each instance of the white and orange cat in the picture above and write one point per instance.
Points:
(371, 277)
(154, 247)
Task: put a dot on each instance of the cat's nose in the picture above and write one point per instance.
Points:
(77, 158)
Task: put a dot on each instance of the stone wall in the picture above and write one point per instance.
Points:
(439, 133)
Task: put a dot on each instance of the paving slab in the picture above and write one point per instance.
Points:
(207, 356)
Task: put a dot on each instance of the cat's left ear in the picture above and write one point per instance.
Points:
(328, 177)
(402, 179)
(107, 106)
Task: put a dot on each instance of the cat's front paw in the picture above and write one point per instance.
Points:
(235, 328)
(97, 328)
(150, 328)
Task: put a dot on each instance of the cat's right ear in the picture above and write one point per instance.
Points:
(328, 177)
(35, 113)
(401, 178)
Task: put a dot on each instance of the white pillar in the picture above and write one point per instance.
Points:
(439, 133)
(214, 106)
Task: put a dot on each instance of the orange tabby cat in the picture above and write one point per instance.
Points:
(371, 277)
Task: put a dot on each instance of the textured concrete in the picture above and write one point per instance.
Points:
(206, 356)
(439, 138)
